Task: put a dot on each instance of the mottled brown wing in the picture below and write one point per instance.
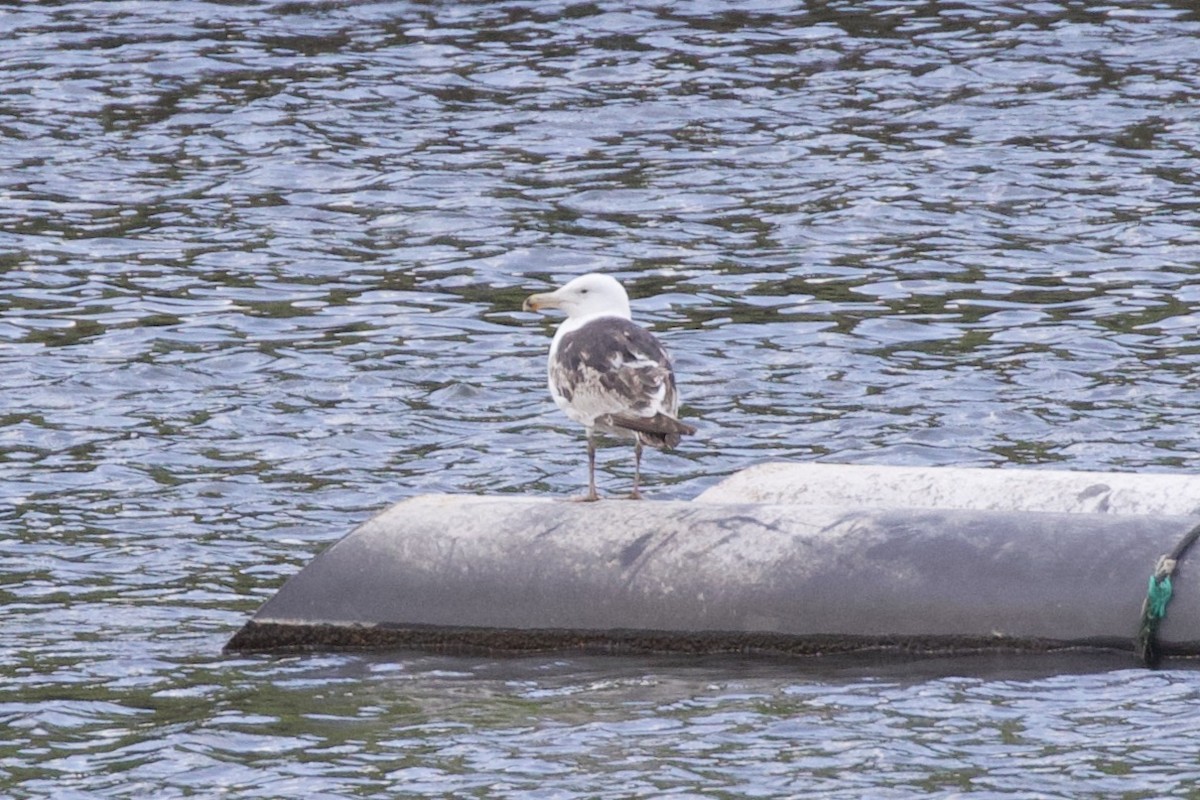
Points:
(614, 373)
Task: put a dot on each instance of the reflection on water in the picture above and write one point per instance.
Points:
(261, 268)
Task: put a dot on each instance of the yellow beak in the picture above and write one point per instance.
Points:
(536, 302)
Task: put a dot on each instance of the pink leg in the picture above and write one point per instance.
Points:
(591, 495)
(637, 470)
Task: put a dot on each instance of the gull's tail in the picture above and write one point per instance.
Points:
(658, 431)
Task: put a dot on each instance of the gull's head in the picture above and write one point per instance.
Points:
(586, 296)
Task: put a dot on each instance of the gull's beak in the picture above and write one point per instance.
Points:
(536, 302)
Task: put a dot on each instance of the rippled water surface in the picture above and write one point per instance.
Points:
(261, 267)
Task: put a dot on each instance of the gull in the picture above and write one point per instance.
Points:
(608, 374)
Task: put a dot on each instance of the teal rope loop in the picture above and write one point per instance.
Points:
(1154, 608)
(1158, 595)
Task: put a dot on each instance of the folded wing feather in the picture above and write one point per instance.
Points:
(613, 374)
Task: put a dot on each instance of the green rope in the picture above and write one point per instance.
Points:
(1154, 608)
(1158, 595)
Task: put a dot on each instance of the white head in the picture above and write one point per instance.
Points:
(586, 296)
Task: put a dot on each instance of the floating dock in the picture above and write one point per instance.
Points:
(782, 559)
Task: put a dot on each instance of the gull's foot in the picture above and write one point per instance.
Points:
(586, 498)
(636, 495)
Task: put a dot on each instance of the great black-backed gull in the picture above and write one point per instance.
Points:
(608, 374)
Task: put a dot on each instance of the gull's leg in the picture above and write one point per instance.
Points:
(637, 470)
(591, 495)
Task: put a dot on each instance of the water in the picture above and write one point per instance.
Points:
(261, 268)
